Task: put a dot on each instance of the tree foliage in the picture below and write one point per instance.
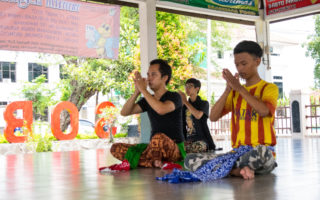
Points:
(313, 50)
(197, 38)
(172, 45)
(182, 41)
(88, 76)
(40, 95)
(85, 77)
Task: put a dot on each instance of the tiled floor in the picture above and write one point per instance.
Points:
(74, 175)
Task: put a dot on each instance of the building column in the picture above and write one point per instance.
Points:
(263, 38)
(148, 52)
(298, 101)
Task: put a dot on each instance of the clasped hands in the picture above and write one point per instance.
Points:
(233, 81)
(139, 82)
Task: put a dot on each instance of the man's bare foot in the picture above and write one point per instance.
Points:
(157, 164)
(235, 172)
(247, 173)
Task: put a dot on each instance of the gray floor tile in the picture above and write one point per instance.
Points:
(74, 175)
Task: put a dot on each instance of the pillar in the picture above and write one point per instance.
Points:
(148, 52)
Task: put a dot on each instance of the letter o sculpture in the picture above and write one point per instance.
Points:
(74, 120)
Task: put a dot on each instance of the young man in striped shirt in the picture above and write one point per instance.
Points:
(253, 107)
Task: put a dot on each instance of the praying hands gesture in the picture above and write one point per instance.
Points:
(139, 82)
(232, 80)
(232, 83)
(130, 107)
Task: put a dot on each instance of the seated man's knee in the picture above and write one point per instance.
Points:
(161, 137)
(113, 147)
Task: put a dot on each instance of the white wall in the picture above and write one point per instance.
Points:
(288, 38)
(295, 68)
(10, 90)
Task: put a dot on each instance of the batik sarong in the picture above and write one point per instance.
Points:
(161, 148)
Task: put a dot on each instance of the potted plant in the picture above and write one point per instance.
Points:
(110, 116)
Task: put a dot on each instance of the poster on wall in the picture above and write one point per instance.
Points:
(60, 27)
(247, 7)
(280, 6)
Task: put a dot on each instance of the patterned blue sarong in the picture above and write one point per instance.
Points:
(216, 168)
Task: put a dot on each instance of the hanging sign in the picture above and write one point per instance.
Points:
(280, 6)
(68, 27)
(247, 7)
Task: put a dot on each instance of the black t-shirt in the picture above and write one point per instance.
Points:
(170, 123)
(197, 129)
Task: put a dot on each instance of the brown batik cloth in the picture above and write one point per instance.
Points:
(161, 147)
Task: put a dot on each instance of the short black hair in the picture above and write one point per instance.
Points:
(196, 83)
(249, 47)
(164, 68)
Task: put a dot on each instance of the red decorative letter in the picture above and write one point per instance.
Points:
(74, 120)
(102, 122)
(13, 122)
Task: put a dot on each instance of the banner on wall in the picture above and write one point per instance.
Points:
(247, 7)
(61, 27)
(280, 6)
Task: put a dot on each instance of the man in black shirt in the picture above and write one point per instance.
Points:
(195, 116)
(164, 109)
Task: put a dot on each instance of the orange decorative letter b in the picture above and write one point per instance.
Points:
(13, 122)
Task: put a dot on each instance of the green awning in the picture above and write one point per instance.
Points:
(247, 7)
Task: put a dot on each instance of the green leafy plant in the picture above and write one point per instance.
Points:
(124, 124)
(110, 114)
(40, 95)
(313, 50)
(3, 139)
(212, 101)
(40, 143)
(44, 144)
(283, 101)
(81, 136)
(203, 94)
(314, 101)
(120, 135)
(281, 104)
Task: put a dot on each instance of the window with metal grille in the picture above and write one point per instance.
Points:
(3, 103)
(63, 74)
(280, 87)
(35, 70)
(8, 71)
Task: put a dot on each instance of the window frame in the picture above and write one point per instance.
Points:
(12, 69)
(33, 71)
